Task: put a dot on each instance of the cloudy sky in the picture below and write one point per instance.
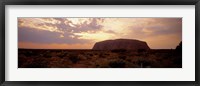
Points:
(82, 33)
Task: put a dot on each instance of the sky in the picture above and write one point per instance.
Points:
(83, 33)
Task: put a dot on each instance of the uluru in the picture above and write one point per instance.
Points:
(127, 44)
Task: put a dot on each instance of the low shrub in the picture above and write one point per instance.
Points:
(122, 57)
(74, 58)
(30, 54)
(117, 64)
(38, 63)
(141, 50)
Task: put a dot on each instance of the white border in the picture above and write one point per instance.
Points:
(187, 73)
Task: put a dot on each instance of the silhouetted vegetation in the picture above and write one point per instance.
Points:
(117, 64)
(74, 58)
(41, 58)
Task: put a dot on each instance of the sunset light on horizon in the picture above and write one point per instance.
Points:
(83, 33)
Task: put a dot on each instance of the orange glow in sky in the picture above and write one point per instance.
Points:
(83, 33)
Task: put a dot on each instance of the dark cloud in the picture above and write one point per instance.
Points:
(160, 30)
(92, 26)
(159, 26)
(30, 34)
(65, 25)
(156, 27)
(43, 36)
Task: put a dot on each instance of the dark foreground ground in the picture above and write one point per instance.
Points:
(48, 58)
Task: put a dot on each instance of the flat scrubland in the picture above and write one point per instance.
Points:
(66, 58)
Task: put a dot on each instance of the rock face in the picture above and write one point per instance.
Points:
(128, 44)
